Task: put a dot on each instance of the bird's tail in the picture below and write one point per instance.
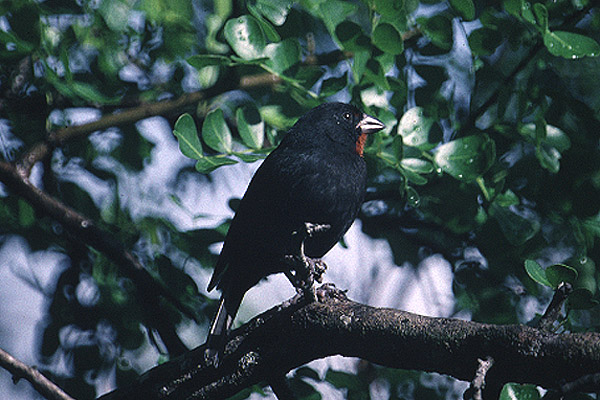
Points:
(217, 336)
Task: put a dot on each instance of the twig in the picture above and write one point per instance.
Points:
(40, 383)
(554, 308)
(475, 391)
(260, 80)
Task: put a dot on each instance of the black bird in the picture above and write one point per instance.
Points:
(317, 175)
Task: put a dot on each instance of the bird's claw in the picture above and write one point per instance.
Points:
(318, 268)
(304, 271)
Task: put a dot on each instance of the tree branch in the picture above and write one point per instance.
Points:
(92, 235)
(43, 385)
(287, 337)
(42, 150)
(475, 391)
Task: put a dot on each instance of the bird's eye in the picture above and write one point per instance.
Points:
(347, 115)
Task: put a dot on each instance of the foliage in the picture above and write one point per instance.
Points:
(492, 116)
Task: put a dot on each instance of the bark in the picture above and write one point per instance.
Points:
(287, 337)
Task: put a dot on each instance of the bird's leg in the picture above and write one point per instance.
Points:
(305, 270)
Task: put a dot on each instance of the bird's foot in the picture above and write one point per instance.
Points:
(318, 268)
(304, 271)
(301, 276)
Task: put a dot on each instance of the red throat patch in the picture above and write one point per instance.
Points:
(360, 144)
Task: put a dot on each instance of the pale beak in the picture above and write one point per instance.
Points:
(369, 124)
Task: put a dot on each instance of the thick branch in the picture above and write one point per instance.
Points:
(43, 385)
(285, 338)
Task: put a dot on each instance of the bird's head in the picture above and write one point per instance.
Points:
(339, 124)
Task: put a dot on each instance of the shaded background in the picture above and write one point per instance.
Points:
(437, 236)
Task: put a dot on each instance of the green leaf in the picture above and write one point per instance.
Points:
(549, 143)
(570, 45)
(388, 39)
(209, 164)
(359, 64)
(274, 116)
(249, 158)
(204, 60)
(187, 136)
(466, 158)
(581, 299)
(484, 41)
(518, 224)
(223, 8)
(413, 177)
(507, 199)
(465, 8)
(351, 37)
(412, 197)
(246, 37)
(374, 74)
(514, 391)
(77, 89)
(557, 138)
(513, 7)
(540, 129)
(439, 29)
(252, 133)
(275, 11)
(527, 13)
(558, 273)
(336, 12)
(270, 32)
(417, 165)
(333, 85)
(536, 272)
(541, 16)
(91, 93)
(341, 379)
(548, 157)
(282, 55)
(20, 46)
(414, 128)
(388, 157)
(115, 13)
(26, 214)
(389, 8)
(216, 133)
(213, 24)
(397, 147)
(307, 372)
